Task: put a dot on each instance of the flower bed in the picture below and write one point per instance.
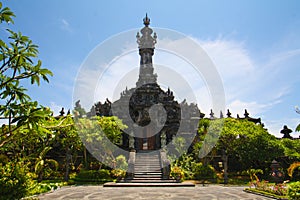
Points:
(277, 191)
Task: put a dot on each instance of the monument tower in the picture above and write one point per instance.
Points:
(146, 131)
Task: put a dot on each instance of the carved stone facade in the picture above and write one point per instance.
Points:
(146, 123)
(149, 126)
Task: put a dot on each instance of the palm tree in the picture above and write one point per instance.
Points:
(297, 111)
(292, 167)
(41, 163)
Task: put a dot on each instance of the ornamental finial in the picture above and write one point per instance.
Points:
(146, 39)
(146, 20)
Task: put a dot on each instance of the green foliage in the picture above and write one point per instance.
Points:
(121, 162)
(250, 143)
(269, 194)
(177, 173)
(298, 128)
(19, 62)
(292, 167)
(100, 134)
(253, 174)
(203, 171)
(39, 188)
(118, 173)
(291, 148)
(278, 191)
(209, 132)
(185, 162)
(294, 191)
(120, 167)
(102, 175)
(6, 14)
(42, 163)
(15, 180)
(100, 128)
(179, 144)
(112, 127)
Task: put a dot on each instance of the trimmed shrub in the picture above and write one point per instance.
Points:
(203, 171)
(15, 180)
(294, 191)
(101, 175)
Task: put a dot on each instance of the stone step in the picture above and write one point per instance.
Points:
(147, 169)
(148, 174)
(161, 183)
(139, 170)
(146, 161)
(147, 178)
(153, 180)
(138, 164)
(149, 165)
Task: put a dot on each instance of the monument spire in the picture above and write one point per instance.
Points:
(146, 43)
(146, 20)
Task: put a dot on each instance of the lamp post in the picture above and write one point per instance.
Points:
(277, 174)
(225, 165)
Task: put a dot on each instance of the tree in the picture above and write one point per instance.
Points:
(297, 111)
(291, 148)
(250, 143)
(244, 142)
(19, 63)
(42, 162)
(68, 137)
(101, 136)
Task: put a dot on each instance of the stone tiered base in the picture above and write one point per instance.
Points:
(158, 184)
(147, 173)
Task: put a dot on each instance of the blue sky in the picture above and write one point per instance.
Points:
(255, 46)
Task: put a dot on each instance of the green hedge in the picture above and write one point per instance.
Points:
(203, 171)
(102, 175)
(15, 180)
(294, 191)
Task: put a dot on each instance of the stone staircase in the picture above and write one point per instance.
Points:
(147, 172)
(147, 168)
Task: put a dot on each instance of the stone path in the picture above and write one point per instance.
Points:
(210, 192)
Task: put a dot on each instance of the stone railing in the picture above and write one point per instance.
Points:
(131, 162)
(165, 165)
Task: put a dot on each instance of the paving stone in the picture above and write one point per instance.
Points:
(210, 192)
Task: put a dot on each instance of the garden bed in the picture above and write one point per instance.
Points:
(265, 194)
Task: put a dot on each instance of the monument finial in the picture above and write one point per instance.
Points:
(146, 20)
(146, 39)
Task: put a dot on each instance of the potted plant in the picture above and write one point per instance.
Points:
(177, 173)
(118, 174)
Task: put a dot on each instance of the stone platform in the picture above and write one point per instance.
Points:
(158, 184)
(209, 192)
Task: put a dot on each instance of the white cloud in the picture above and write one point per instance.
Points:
(65, 25)
(55, 108)
(248, 84)
(275, 126)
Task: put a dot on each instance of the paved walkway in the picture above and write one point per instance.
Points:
(210, 192)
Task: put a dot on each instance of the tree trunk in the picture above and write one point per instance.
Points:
(85, 158)
(68, 156)
(225, 161)
(40, 175)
